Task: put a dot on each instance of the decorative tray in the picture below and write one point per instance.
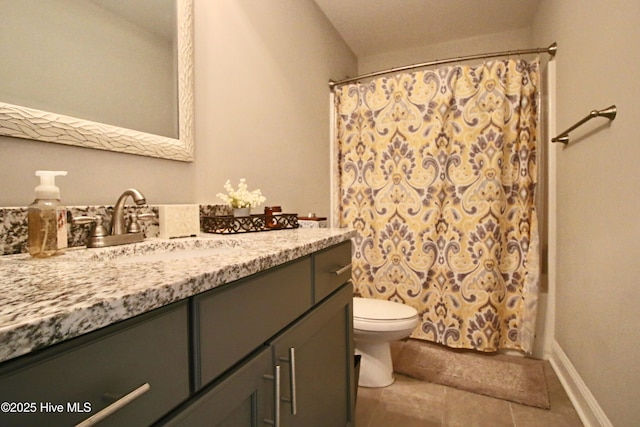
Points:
(247, 224)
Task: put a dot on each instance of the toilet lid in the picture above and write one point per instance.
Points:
(376, 309)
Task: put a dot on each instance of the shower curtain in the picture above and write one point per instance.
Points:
(437, 173)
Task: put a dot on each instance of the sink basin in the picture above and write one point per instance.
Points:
(158, 250)
(177, 254)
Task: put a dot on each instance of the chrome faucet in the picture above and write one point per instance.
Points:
(117, 222)
(119, 235)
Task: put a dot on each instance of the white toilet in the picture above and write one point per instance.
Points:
(376, 323)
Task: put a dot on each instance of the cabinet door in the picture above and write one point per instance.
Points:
(316, 363)
(242, 399)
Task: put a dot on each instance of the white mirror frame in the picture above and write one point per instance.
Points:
(29, 123)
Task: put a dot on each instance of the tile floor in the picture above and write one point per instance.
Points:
(412, 403)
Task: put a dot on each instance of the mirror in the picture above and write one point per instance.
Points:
(101, 110)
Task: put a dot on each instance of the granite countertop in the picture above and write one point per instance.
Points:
(46, 301)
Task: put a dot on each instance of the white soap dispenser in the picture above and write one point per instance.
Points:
(47, 218)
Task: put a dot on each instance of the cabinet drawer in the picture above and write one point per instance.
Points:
(330, 269)
(234, 320)
(72, 381)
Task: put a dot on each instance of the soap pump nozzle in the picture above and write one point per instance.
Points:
(47, 188)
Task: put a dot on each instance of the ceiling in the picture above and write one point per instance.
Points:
(372, 27)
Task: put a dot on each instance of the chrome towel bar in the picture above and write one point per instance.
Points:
(609, 113)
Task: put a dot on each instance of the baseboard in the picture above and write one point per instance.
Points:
(590, 413)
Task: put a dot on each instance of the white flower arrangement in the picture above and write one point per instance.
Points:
(241, 198)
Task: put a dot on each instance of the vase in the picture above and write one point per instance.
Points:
(237, 212)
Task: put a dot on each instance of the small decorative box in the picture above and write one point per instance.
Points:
(312, 221)
(178, 220)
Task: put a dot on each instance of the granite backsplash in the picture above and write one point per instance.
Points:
(14, 226)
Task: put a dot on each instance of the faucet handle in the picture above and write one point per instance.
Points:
(83, 219)
(146, 216)
(99, 230)
(134, 226)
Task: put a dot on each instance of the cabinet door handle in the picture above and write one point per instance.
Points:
(276, 410)
(292, 379)
(115, 406)
(342, 270)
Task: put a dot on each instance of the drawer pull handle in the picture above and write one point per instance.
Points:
(342, 270)
(276, 415)
(115, 406)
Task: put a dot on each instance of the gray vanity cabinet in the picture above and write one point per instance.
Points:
(67, 383)
(276, 348)
(307, 370)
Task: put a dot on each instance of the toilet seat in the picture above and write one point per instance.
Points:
(376, 315)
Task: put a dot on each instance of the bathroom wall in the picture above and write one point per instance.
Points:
(262, 99)
(262, 113)
(597, 183)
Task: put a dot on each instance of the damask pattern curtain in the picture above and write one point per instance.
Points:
(437, 173)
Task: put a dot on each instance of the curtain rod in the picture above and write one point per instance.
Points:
(551, 50)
